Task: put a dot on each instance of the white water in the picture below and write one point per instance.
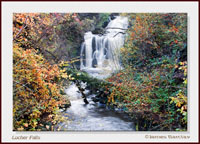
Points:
(100, 55)
(93, 116)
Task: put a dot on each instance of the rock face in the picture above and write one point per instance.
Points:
(100, 20)
(88, 15)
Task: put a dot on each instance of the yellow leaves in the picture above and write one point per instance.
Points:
(35, 114)
(64, 75)
(183, 67)
(72, 78)
(181, 103)
(20, 129)
(138, 18)
(185, 81)
(64, 64)
(61, 64)
(35, 80)
(111, 97)
(122, 49)
(178, 104)
(78, 74)
(172, 100)
(34, 123)
(63, 70)
(36, 86)
(183, 109)
(181, 63)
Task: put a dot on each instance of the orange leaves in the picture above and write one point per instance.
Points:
(132, 35)
(183, 67)
(138, 18)
(175, 29)
(35, 89)
(30, 28)
(20, 129)
(119, 74)
(25, 125)
(36, 83)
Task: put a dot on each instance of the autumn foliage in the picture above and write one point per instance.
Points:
(152, 88)
(37, 84)
(44, 45)
(36, 95)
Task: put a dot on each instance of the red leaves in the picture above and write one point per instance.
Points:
(119, 74)
(174, 28)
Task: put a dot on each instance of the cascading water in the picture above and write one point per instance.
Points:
(100, 55)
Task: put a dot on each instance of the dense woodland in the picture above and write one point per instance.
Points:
(151, 89)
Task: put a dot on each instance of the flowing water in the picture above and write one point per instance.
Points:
(99, 57)
(93, 116)
(100, 54)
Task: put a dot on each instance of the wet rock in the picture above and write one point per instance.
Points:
(105, 24)
(113, 16)
(94, 63)
(98, 31)
(65, 106)
(101, 105)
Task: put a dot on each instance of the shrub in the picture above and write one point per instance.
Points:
(153, 86)
(36, 91)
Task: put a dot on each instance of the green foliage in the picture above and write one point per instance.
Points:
(75, 75)
(103, 17)
(154, 35)
(153, 86)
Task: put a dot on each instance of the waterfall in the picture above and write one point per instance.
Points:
(100, 54)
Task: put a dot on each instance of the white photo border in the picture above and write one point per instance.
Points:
(191, 8)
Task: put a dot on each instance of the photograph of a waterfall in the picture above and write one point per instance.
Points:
(99, 72)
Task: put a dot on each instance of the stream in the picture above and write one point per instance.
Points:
(100, 57)
(93, 116)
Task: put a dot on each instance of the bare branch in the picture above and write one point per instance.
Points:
(23, 27)
(24, 85)
(119, 33)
